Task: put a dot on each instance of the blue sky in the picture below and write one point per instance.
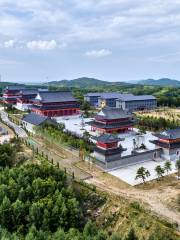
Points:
(113, 40)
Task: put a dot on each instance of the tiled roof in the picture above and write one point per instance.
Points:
(107, 95)
(29, 91)
(110, 152)
(93, 94)
(136, 98)
(112, 126)
(166, 145)
(54, 96)
(34, 119)
(15, 87)
(108, 138)
(113, 113)
(169, 134)
(115, 95)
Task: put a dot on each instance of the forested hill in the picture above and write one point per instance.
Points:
(161, 82)
(85, 82)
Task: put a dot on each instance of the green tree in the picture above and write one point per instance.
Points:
(19, 213)
(142, 173)
(131, 235)
(90, 230)
(159, 171)
(6, 213)
(7, 155)
(167, 166)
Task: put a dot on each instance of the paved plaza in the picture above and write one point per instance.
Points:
(128, 174)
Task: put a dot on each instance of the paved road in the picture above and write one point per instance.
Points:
(18, 130)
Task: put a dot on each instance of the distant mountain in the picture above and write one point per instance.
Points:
(85, 82)
(160, 82)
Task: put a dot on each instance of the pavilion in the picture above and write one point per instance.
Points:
(112, 120)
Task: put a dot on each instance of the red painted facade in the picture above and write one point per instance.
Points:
(57, 112)
(112, 130)
(107, 145)
(169, 140)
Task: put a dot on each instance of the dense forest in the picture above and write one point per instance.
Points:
(41, 202)
(38, 202)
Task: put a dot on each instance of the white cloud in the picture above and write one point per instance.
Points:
(9, 44)
(42, 45)
(98, 53)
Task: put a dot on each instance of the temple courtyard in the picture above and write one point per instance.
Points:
(74, 125)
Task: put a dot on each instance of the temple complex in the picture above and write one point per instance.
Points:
(112, 120)
(55, 104)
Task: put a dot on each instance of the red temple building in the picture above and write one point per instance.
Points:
(55, 104)
(11, 93)
(169, 142)
(112, 120)
(25, 98)
(108, 148)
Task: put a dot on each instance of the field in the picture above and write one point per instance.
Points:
(167, 113)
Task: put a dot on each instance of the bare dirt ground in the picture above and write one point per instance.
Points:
(158, 196)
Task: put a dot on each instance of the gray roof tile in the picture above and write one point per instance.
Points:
(169, 134)
(136, 98)
(108, 138)
(113, 113)
(34, 119)
(55, 96)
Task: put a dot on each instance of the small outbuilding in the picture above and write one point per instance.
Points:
(32, 120)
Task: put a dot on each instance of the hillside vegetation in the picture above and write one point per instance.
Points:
(85, 82)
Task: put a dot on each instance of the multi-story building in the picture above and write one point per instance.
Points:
(136, 103)
(11, 93)
(112, 120)
(55, 104)
(98, 99)
(122, 100)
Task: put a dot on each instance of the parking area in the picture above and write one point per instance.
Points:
(128, 174)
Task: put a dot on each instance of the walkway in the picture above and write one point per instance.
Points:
(66, 158)
(18, 130)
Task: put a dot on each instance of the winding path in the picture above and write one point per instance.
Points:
(18, 130)
(151, 199)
